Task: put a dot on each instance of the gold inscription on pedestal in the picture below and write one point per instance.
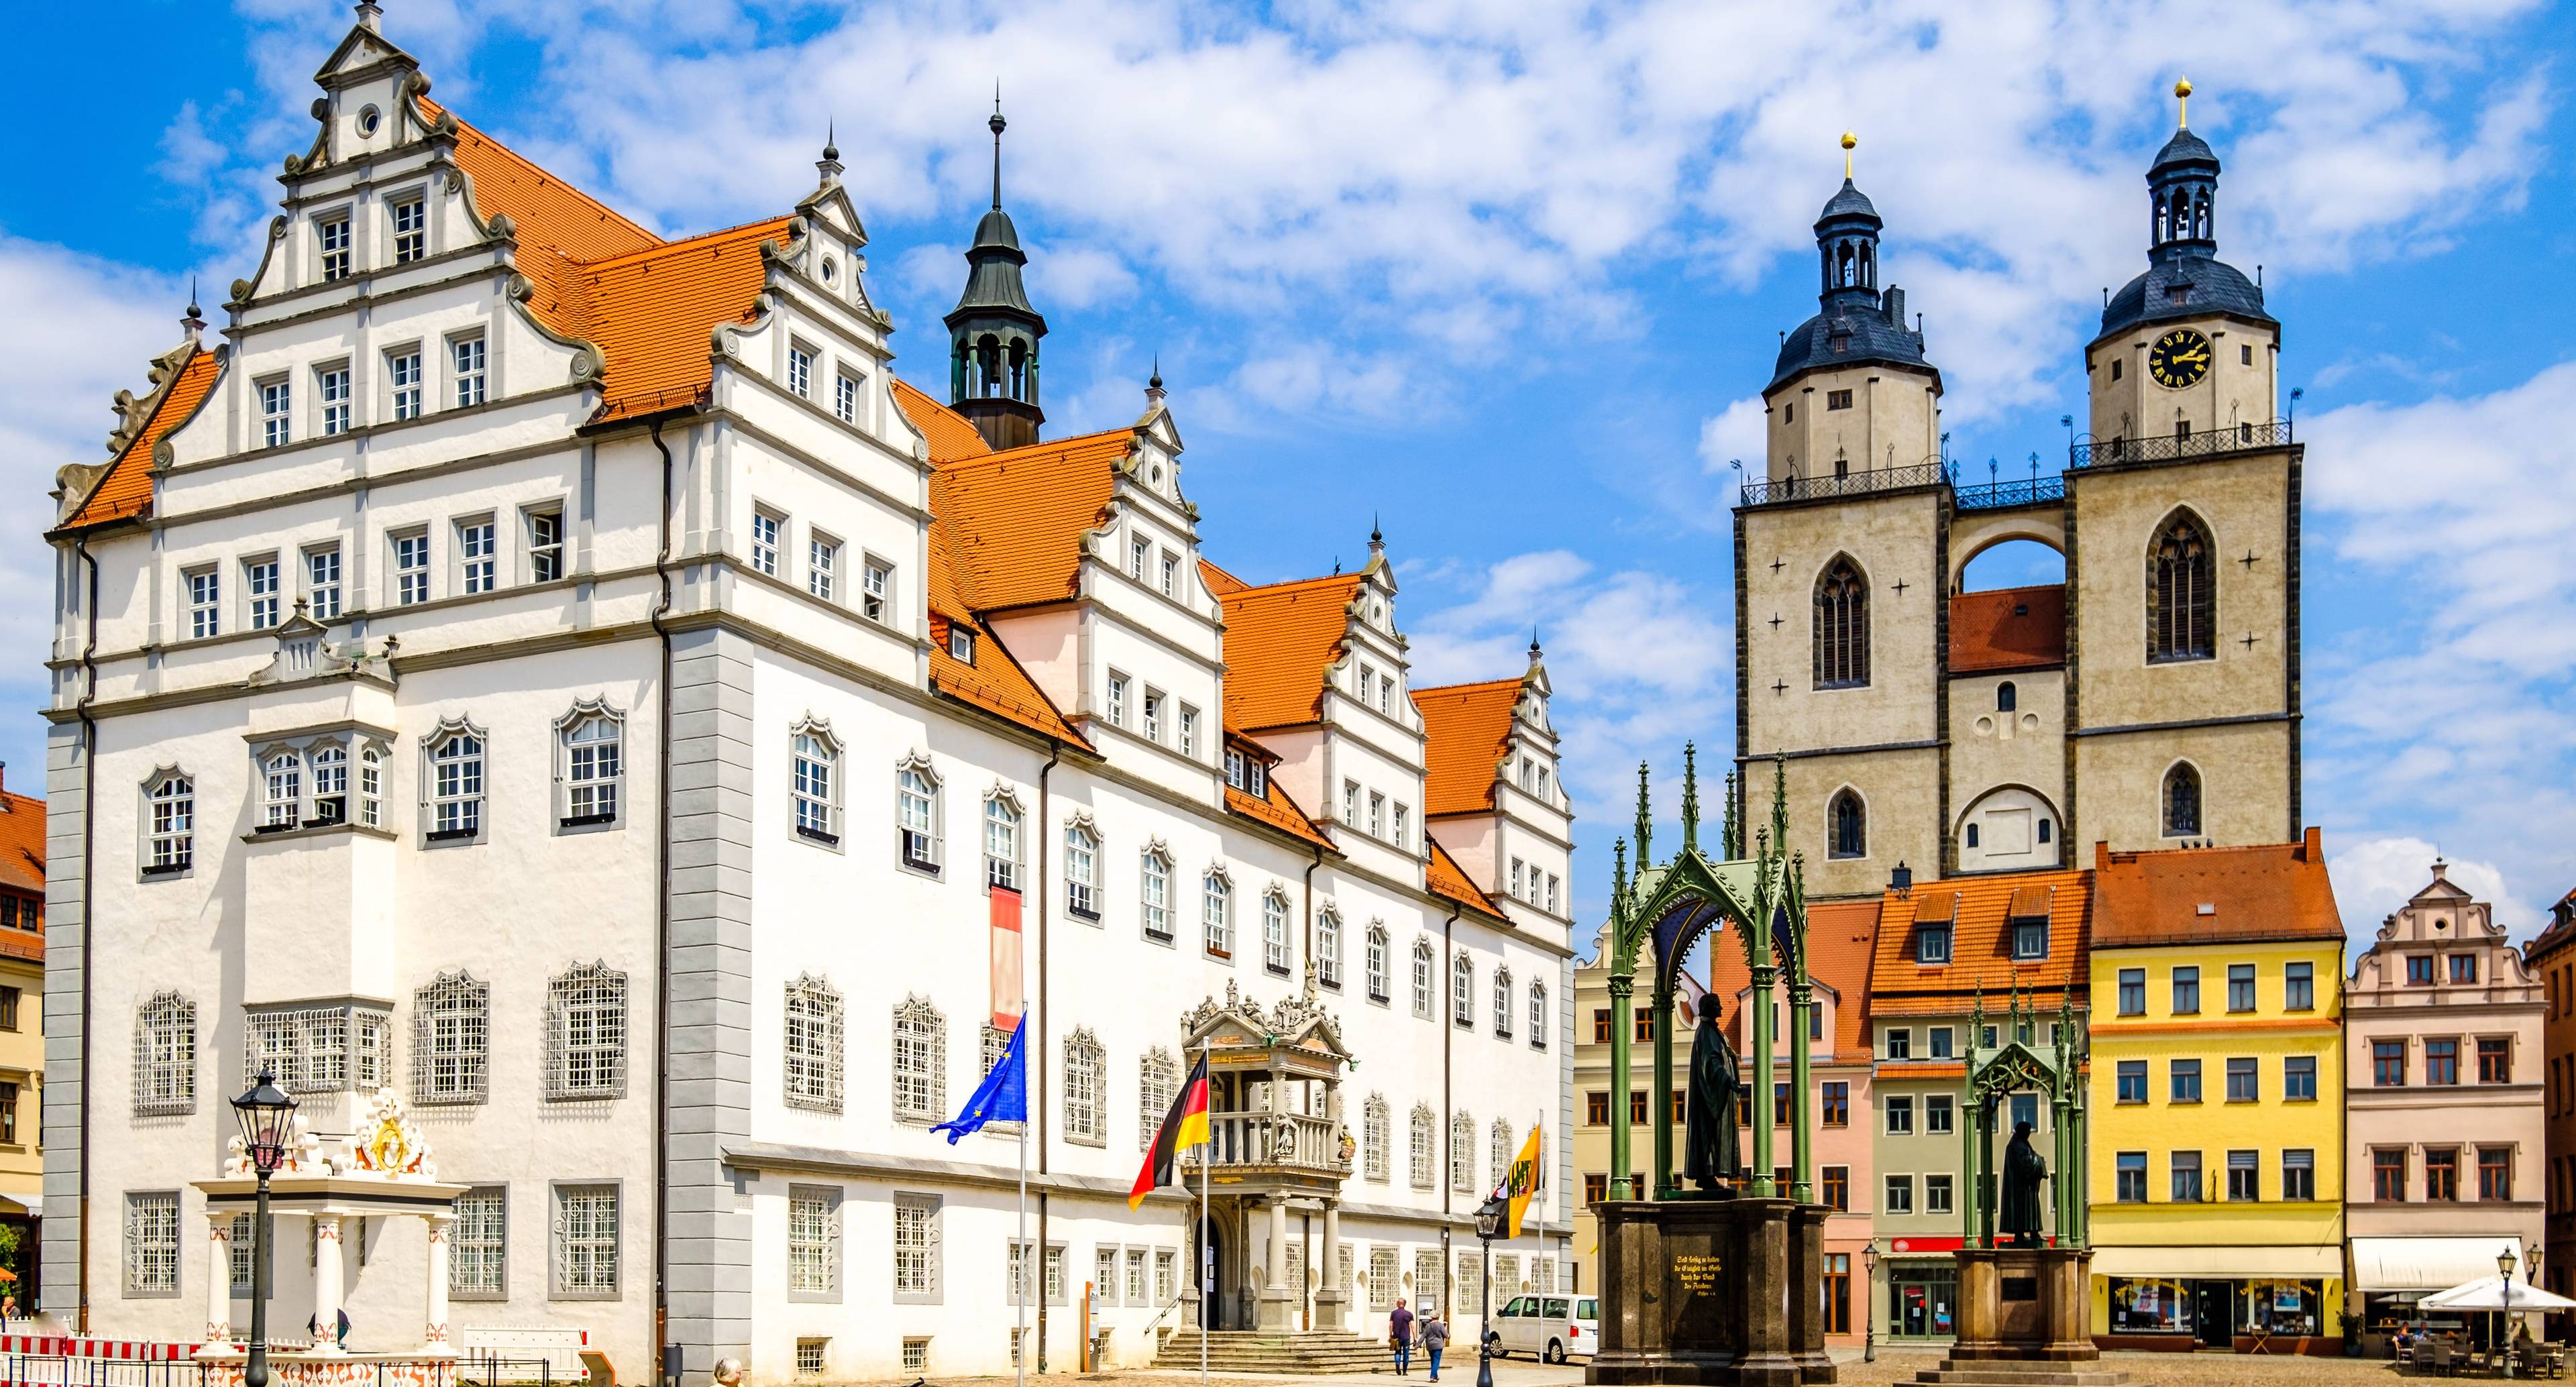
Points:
(1696, 1271)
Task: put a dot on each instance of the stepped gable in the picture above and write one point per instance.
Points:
(1465, 728)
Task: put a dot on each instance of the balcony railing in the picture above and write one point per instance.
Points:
(1273, 1139)
(1998, 495)
(2234, 438)
(1929, 473)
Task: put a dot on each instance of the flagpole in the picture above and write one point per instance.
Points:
(1207, 1288)
(1028, 1274)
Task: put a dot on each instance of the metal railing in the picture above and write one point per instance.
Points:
(486, 1369)
(2232, 438)
(1997, 495)
(58, 1370)
(1273, 1139)
(1929, 473)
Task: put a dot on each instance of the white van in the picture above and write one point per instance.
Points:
(1548, 1328)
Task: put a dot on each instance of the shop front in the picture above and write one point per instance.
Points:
(2391, 1275)
(1922, 1296)
(2279, 1300)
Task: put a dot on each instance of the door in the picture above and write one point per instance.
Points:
(2212, 1304)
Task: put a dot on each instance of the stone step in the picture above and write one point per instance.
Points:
(1244, 1350)
(1953, 1373)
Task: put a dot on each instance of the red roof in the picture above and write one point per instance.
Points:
(125, 488)
(2265, 891)
(1279, 640)
(1977, 910)
(22, 842)
(1840, 935)
(1444, 877)
(2008, 629)
(1464, 727)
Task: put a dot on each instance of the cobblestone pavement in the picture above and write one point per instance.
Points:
(2161, 1369)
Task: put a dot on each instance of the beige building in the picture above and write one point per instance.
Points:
(1594, 1092)
(22, 1035)
(2150, 701)
(2444, 1155)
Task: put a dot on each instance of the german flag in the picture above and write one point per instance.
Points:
(1184, 1126)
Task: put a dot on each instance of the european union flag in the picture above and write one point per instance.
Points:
(1002, 1097)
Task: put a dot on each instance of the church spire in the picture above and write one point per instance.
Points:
(993, 332)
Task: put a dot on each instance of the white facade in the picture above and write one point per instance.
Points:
(588, 1005)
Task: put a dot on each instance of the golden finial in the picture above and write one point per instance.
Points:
(1849, 140)
(2182, 96)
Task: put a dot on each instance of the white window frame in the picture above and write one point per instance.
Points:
(410, 550)
(1328, 948)
(919, 843)
(813, 1249)
(1424, 1130)
(334, 246)
(151, 1244)
(1005, 828)
(1503, 999)
(876, 588)
(917, 1270)
(281, 780)
(845, 395)
(165, 1056)
(800, 370)
(767, 526)
(451, 1039)
(541, 529)
(263, 605)
(1082, 869)
(586, 1255)
(1425, 990)
(403, 382)
(1538, 1018)
(478, 1263)
(1378, 963)
(1189, 726)
(1154, 895)
(1158, 1082)
(586, 1031)
(1216, 913)
(1086, 1089)
(1375, 1125)
(331, 394)
(1274, 931)
(169, 823)
(327, 766)
(920, 1059)
(1117, 699)
(469, 364)
(455, 784)
(814, 783)
(478, 554)
(322, 590)
(371, 786)
(811, 1050)
(590, 766)
(408, 218)
(1153, 715)
(822, 564)
(1462, 991)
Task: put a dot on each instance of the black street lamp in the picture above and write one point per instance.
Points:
(1869, 1302)
(2504, 1331)
(264, 1113)
(1489, 1221)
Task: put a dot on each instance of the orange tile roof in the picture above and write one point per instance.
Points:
(1218, 580)
(1980, 944)
(125, 488)
(557, 223)
(2008, 629)
(1278, 641)
(22, 842)
(995, 683)
(650, 313)
(2276, 891)
(1840, 935)
(1442, 876)
(951, 437)
(1017, 518)
(1278, 811)
(1464, 727)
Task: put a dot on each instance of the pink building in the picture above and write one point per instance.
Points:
(2444, 1158)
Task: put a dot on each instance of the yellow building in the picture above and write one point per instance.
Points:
(2217, 1099)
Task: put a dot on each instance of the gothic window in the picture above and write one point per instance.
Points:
(1846, 826)
(2182, 801)
(165, 1056)
(1538, 1018)
(1154, 898)
(1376, 964)
(1082, 871)
(1373, 1138)
(917, 814)
(1216, 914)
(2007, 698)
(1422, 979)
(811, 1039)
(2181, 593)
(815, 781)
(1328, 949)
(456, 784)
(1085, 1081)
(451, 1028)
(1274, 931)
(171, 815)
(586, 1033)
(1462, 1153)
(920, 1062)
(1462, 992)
(1842, 627)
(1002, 842)
(1499, 1154)
(1422, 1125)
(1503, 1003)
(593, 767)
(1158, 1083)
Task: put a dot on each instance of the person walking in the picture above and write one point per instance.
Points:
(1435, 1337)
(1399, 1336)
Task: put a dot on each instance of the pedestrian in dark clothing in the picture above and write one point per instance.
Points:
(1399, 1335)
(1435, 1337)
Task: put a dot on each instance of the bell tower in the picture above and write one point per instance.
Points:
(993, 332)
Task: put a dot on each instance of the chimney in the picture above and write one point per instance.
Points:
(2101, 855)
(1901, 880)
(1895, 305)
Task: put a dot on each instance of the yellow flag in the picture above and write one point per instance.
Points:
(1524, 1181)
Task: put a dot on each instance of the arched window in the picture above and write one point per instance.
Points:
(456, 784)
(1373, 1135)
(284, 784)
(1847, 826)
(1538, 1018)
(330, 784)
(816, 771)
(1842, 627)
(2181, 593)
(1216, 914)
(1154, 897)
(920, 1062)
(2182, 801)
(586, 1033)
(594, 768)
(1274, 932)
(1422, 1125)
(812, 1047)
(2007, 698)
(1972, 835)
(1328, 948)
(1376, 964)
(1002, 843)
(1158, 1082)
(451, 1029)
(165, 1056)
(1462, 992)
(371, 788)
(1082, 871)
(1422, 979)
(1499, 1153)
(1503, 1003)
(1086, 1066)
(1462, 1153)
(916, 803)
(171, 808)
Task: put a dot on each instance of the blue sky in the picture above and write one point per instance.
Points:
(1507, 275)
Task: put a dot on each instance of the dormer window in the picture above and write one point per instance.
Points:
(1932, 942)
(2030, 938)
(961, 644)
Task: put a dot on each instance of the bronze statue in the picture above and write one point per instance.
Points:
(2023, 1172)
(1710, 1153)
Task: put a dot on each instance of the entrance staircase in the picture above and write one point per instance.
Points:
(2011, 1372)
(1255, 1351)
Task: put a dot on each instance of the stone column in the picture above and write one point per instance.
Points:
(326, 1283)
(219, 1280)
(1328, 1267)
(434, 1339)
(1276, 1307)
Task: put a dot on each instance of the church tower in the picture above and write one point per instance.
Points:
(993, 332)
(2151, 700)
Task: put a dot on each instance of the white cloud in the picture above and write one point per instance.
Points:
(2373, 879)
(1734, 434)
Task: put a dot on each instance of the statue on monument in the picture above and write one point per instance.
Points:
(2023, 1172)
(1711, 1155)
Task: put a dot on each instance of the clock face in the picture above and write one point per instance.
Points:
(2179, 358)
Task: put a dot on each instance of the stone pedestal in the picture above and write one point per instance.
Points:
(1721, 1292)
(2024, 1303)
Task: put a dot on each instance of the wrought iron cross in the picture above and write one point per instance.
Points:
(1900, 587)
(1780, 687)
(2248, 560)
(2249, 640)
(1775, 621)
(1778, 563)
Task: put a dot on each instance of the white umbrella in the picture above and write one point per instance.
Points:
(2489, 1293)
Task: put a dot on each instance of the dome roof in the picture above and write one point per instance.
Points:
(1848, 202)
(2208, 286)
(996, 230)
(2184, 148)
(1845, 335)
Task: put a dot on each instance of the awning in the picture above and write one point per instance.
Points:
(2495, 1293)
(2422, 1264)
(2235, 1262)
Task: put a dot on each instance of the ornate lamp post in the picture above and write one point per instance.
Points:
(1489, 1221)
(1869, 1302)
(264, 1113)
(2504, 1330)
